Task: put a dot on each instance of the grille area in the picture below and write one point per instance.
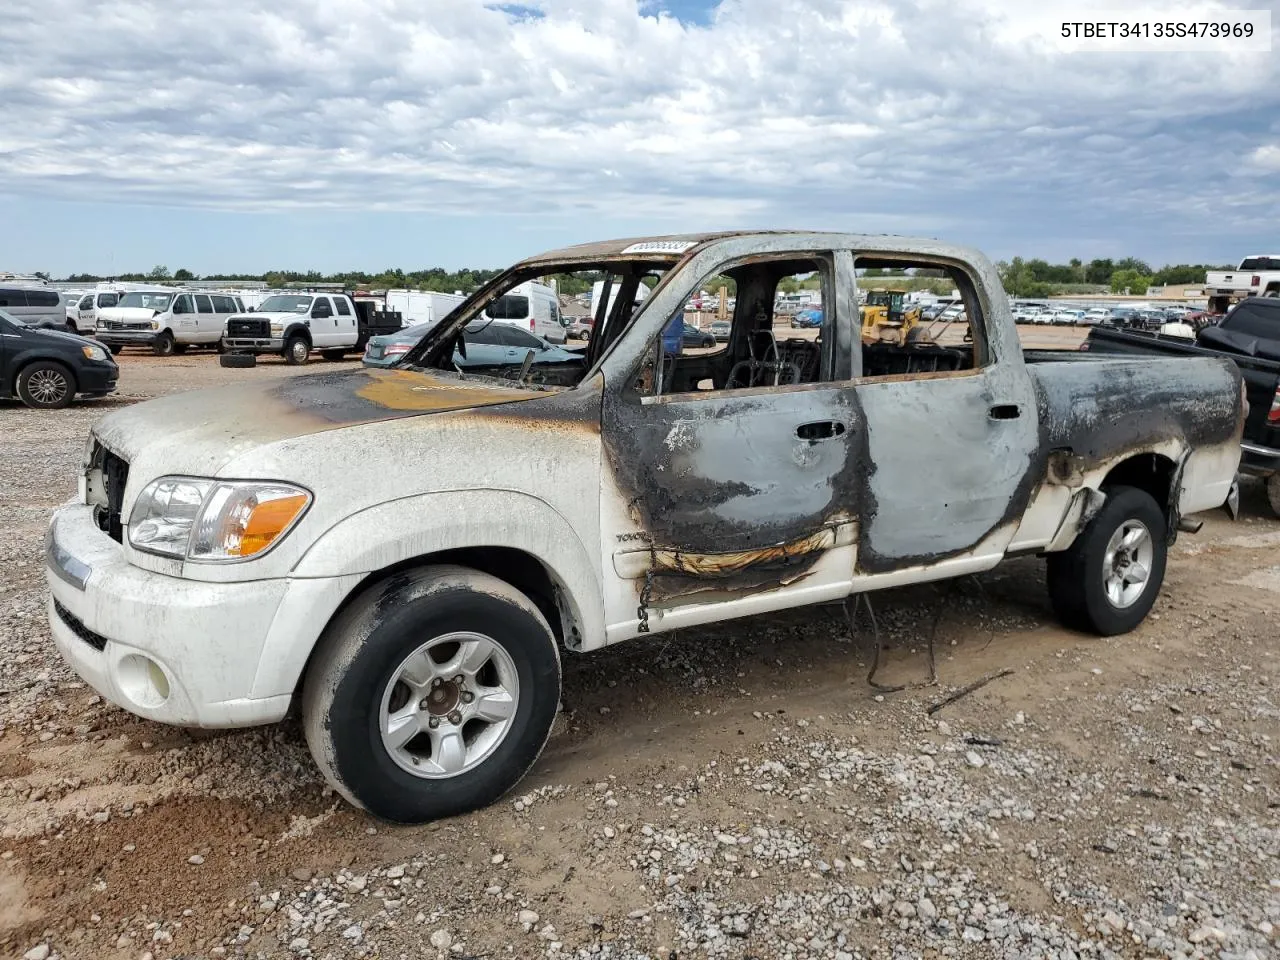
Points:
(244, 327)
(95, 640)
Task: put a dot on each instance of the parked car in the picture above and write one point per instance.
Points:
(1248, 336)
(294, 324)
(1094, 316)
(487, 344)
(46, 368)
(82, 309)
(720, 329)
(579, 328)
(807, 318)
(168, 321)
(35, 305)
(404, 553)
(533, 307)
(691, 336)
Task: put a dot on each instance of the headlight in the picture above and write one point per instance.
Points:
(277, 327)
(155, 324)
(198, 519)
(93, 353)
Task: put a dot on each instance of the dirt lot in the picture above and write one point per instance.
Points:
(733, 792)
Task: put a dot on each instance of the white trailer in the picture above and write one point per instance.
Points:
(422, 306)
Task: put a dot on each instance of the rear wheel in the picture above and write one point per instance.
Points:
(296, 349)
(1273, 492)
(1108, 579)
(163, 345)
(46, 385)
(431, 694)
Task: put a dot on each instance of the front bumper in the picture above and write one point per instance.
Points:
(169, 649)
(254, 344)
(1258, 461)
(124, 338)
(97, 378)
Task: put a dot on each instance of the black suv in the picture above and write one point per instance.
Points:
(47, 368)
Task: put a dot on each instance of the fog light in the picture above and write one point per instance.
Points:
(143, 680)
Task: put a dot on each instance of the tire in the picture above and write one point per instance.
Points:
(354, 678)
(1273, 493)
(296, 350)
(163, 345)
(179, 348)
(115, 348)
(238, 361)
(71, 327)
(334, 356)
(46, 385)
(1078, 577)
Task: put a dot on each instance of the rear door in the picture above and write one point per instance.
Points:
(346, 326)
(9, 339)
(207, 327)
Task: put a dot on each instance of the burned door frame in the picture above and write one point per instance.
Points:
(728, 502)
(952, 455)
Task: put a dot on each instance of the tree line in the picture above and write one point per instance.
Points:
(1021, 278)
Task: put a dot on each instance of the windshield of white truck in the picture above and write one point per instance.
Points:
(147, 301)
(285, 303)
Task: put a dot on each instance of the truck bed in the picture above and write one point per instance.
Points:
(1261, 379)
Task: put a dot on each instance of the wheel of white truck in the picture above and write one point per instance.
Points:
(1273, 493)
(1108, 580)
(163, 345)
(432, 694)
(296, 349)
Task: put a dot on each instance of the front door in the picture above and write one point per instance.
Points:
(733, 468)
(322, 323)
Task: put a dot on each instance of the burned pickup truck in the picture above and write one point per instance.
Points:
(403, 553)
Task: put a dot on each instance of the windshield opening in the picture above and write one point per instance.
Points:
(286, 303)
(147, 301)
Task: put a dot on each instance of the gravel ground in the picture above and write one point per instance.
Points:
(731, 792)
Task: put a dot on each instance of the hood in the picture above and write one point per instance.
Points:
(56, 333)
(126, 313)
(200, 431)
(284, 315)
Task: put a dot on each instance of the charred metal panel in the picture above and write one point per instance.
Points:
(1101, 410)
(944, 473)
(724, 472)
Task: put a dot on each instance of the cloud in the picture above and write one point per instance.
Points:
(823, 112)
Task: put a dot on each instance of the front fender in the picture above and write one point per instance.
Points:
(406, 529)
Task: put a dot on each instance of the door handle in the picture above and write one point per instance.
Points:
(1005, 411)
(820, 430)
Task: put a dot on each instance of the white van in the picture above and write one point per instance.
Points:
(166, 320)
(531, 306)
(82, 310)
(421, 306)
(36, 306)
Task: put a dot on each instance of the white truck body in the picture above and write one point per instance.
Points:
(1257, 276)
(292, 324)
(618, 500)
(166, 319)
(422, 306)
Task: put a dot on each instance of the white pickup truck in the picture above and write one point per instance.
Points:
(404, 552)
(293, 324)
(1257, 276)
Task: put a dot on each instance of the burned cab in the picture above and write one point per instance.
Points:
(406, 552)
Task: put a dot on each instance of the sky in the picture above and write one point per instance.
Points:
(368, 134)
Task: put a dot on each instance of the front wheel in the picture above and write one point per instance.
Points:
(45, 385)
(164, 344)
(1108, 579)
(296, 350)
(432, 694)
(1273, 493)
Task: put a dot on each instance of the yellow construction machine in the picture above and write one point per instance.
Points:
(887, 319)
